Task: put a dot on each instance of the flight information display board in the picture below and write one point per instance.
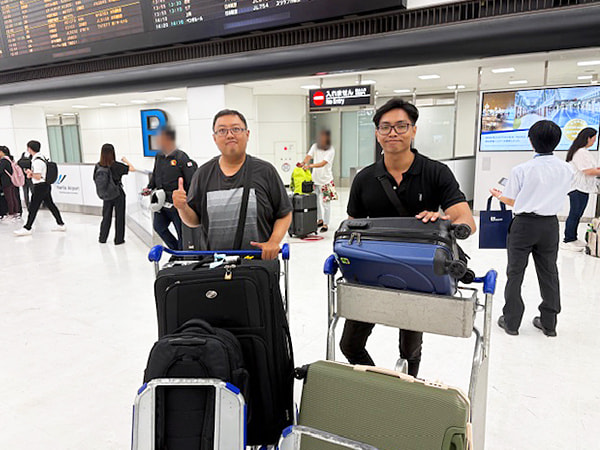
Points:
(42, 31)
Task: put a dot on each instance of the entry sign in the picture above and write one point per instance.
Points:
(342, 96)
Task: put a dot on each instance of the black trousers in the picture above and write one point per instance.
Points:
(27, 188)
(162, 220)
(537, 236)
(118, 205)
(354, 341)
(42, 193)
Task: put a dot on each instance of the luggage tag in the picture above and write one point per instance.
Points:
(219, 260)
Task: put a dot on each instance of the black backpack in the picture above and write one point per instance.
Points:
(106, 188)
(185, 418)
(24, 162)
(51, 171)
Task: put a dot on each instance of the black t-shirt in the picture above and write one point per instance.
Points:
(5, 166)
(216, 199)
(117, 170)
(427, 185)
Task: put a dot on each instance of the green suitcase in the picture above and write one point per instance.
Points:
(383, 408)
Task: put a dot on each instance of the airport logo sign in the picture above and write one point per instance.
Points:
(340, 97)
(152, 122)
(60, 179)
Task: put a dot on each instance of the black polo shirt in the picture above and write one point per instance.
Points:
(427, 185)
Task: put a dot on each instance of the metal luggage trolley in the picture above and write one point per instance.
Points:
(436, 314)
(182, 257)
(230, 407)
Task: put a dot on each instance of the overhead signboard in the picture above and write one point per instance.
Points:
(36, 32)
(340, 97)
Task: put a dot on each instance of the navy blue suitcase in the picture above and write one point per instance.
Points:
(402, 253)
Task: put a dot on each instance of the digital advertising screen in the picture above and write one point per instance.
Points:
(34, 32)
(507, 116)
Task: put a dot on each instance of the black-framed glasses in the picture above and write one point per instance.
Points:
(236, 131)
(400, 128)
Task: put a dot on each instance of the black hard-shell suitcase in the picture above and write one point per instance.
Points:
(245, 299)
(185, 418)
(304, 215)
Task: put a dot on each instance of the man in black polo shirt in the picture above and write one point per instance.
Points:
(423, 187)
(169, 165)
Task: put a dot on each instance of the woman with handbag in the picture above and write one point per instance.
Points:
(322, 154)
(586, 169)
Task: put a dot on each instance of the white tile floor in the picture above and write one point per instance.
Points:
(78, 320)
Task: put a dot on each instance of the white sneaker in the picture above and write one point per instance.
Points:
(580, 243)
(6, 219)
(60, 228)
(23, 232)
(571, 246)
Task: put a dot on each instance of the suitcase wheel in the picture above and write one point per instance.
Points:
(461, 231)
(457, 269)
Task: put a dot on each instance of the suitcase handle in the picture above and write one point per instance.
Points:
(384, 371)
(156, 252)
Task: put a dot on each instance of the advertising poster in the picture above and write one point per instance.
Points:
(507, 116)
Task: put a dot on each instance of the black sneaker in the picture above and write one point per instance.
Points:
(537, 322)
(502, 325)
(324, 229)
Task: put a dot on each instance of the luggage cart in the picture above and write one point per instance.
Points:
(443, 315)
(191, 256)
(292, 436)
(230, 412)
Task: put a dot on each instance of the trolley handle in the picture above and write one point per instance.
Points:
(331, 265)
(489, 282)
(156, 252)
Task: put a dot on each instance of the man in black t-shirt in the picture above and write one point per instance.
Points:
(422, 185)
(216, 194)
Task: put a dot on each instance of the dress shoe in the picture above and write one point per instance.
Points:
(537, 322)
(502, 325)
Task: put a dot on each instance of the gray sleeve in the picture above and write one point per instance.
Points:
(195, 197)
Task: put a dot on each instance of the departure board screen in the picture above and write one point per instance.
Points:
(37, 25)
(38, 32)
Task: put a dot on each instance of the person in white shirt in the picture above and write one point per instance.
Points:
(584, 183)
(322, 154)
(536, 190)
(42, 191)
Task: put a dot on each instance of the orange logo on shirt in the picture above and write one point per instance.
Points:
(173, 162)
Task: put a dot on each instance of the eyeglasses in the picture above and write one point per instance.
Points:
(225, 131)
(400, 128)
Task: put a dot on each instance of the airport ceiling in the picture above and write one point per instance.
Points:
(512, 72)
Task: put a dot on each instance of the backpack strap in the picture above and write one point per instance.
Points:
(239, 234)
(386, 184)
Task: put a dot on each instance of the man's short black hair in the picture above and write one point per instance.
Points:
(229, 112)
(397, 103)
(34, 145)
(545, 136)
(169, 132)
